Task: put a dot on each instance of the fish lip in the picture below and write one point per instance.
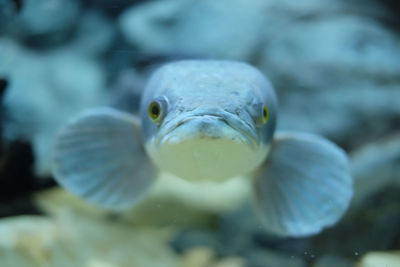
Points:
(246, 130)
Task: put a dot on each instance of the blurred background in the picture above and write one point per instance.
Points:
(335, 65)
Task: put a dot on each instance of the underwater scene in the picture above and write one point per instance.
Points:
(199, 133)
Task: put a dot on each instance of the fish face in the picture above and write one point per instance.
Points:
(207, 146)
(210, 122)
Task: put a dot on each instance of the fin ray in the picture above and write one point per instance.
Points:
(304, 185)
(99, 156)
(286, 187)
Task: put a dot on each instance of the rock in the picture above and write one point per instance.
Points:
(94, 35)
(331, 52)
(8, 9)
(80, 234)
(197, 28)
(76, 233)
(333, 73)
(378, 259)
(375, 166)
(264, 258)
(192, 238)
(346, 116)
(371, 225)
(39, 85)
(197, 257)
(230, 262)
(205, 28)
(240, 234)
(40, 17)
(332, 261)
(205, 257)
(80, 241)
(170, 202)
(39, 23)
(17, 182)
(127, 90)
(113, 8)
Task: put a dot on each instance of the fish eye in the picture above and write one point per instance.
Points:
(265, 114)
(262, 115)
(156, 111)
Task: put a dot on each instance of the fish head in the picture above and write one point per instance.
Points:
(208, 120)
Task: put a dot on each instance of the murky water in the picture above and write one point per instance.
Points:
(335, 66)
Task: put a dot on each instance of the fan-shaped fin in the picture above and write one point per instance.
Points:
(99, 156)
(304, 185)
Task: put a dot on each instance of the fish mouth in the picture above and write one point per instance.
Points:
(208, 125)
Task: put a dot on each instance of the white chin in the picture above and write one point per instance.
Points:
(206, 158)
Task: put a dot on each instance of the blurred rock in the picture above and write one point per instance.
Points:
(192, 238)
(230, 262)
(205, 257)
(378, 259)
(332, 52)
(45, 89)
(8, 9)
(244, 232)
(225, 29)
(266, 258)
(347, 116)
(41, 23)
(198, 257)
(332, 261)
(75, 233)
(240, 234)
(17, 182)
(94, 35)
(128, 91)
(372, 225)
(80, 241)
(48, 16)
(114, 7)
(375, 166)
(192, 27)
(170, 202)
(82, 235)
(335, 75)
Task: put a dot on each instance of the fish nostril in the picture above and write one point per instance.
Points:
(205, 125)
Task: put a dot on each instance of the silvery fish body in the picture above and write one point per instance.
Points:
(204, 120)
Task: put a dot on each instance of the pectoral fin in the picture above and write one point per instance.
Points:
(99, 156)
(304, 185)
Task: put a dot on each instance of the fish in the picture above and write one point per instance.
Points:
(206, 120)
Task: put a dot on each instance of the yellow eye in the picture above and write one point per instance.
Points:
(155, 111)
(265, 114)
